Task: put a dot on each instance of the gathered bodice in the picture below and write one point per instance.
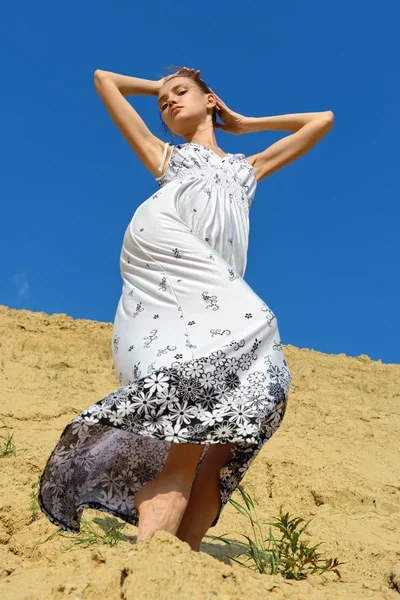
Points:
(190, 161)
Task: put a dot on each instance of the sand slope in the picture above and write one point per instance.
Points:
(335, 459)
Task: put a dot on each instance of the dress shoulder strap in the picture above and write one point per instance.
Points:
(160, 168)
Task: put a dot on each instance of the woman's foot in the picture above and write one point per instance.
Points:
(161, 504)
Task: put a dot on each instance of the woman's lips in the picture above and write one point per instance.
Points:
(175, 109)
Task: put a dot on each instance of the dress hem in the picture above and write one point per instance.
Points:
(93, 505)
(102, 508)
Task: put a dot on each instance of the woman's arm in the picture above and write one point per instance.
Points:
(129, 86)
(111, 88)
(305, 135)
(307, 129)
(282, 122)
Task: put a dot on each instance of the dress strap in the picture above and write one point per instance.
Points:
(160, 168)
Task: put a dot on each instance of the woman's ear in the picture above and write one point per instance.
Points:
(212, 99)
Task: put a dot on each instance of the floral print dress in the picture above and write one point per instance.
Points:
(197, 352)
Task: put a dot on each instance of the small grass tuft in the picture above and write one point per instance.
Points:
(7, 446)
(287, 555)
(89, 534)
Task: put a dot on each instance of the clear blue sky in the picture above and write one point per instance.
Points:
(324, 230)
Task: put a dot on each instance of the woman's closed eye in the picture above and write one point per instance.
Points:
(164, 105)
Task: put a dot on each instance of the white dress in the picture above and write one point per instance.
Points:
(197, 352)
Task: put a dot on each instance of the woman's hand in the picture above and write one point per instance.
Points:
(233, 122)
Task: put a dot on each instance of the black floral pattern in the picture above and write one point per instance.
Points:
(207, 400)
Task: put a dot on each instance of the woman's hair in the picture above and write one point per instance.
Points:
(201, 84)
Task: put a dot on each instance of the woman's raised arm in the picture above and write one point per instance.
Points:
(130, 85)
(112, 88)
(307, 130)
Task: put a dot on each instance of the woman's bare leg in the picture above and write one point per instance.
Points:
(205, 499)
(161, 502)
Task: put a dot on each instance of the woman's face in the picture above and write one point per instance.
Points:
(196, 105)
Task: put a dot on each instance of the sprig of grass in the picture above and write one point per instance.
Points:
(297, 558)
(7, 447)
(90, 535)
(288, 555)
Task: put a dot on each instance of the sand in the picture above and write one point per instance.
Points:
(335, 460)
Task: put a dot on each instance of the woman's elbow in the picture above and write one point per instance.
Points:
(98, 75)
(328, 114)
(326, 121)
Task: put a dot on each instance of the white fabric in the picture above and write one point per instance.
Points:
(197, 352)
(160, 168)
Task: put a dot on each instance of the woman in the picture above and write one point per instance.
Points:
(204, 383)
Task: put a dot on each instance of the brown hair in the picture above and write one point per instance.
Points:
(201, 84)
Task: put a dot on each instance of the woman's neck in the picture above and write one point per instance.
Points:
(203, 140)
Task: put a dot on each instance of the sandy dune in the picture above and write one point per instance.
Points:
(335, 459)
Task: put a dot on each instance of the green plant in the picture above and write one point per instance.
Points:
(288, 556)
(297, 558)
(89, 535)
(7, 447)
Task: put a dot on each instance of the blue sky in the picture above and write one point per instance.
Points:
(324, 242)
